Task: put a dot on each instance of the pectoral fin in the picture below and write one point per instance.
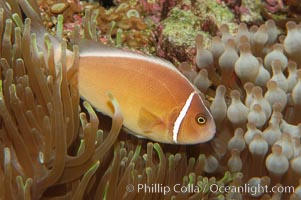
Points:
(149, 122)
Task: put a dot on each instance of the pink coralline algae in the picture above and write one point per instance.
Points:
(274, 6)
(236, 6)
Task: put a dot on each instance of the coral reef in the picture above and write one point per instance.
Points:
(281, 11)
(178, 33)
(52, 147)
(185, 21)
(52, 8)
(125, 21)
(130, 23)
(249, 11)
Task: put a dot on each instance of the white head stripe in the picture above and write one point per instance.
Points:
(180, 118)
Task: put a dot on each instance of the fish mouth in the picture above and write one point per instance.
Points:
(206, 137)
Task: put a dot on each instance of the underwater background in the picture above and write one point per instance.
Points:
(244, 56)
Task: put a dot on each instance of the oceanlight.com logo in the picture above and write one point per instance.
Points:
(253, 190)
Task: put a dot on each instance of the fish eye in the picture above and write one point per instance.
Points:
(200, 119)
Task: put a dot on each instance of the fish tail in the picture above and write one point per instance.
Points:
(31, 10)
(9, 7)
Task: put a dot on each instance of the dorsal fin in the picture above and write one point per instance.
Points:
(86, 46)
(92, 48)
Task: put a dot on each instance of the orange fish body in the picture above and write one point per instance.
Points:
(157, 101)
(151, 93)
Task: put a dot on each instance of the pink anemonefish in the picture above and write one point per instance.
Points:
(156, 100)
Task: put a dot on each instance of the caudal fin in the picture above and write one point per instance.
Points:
(31, 10)
(10, 7)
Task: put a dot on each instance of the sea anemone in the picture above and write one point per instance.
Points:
(264, 114)
(45, 140)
